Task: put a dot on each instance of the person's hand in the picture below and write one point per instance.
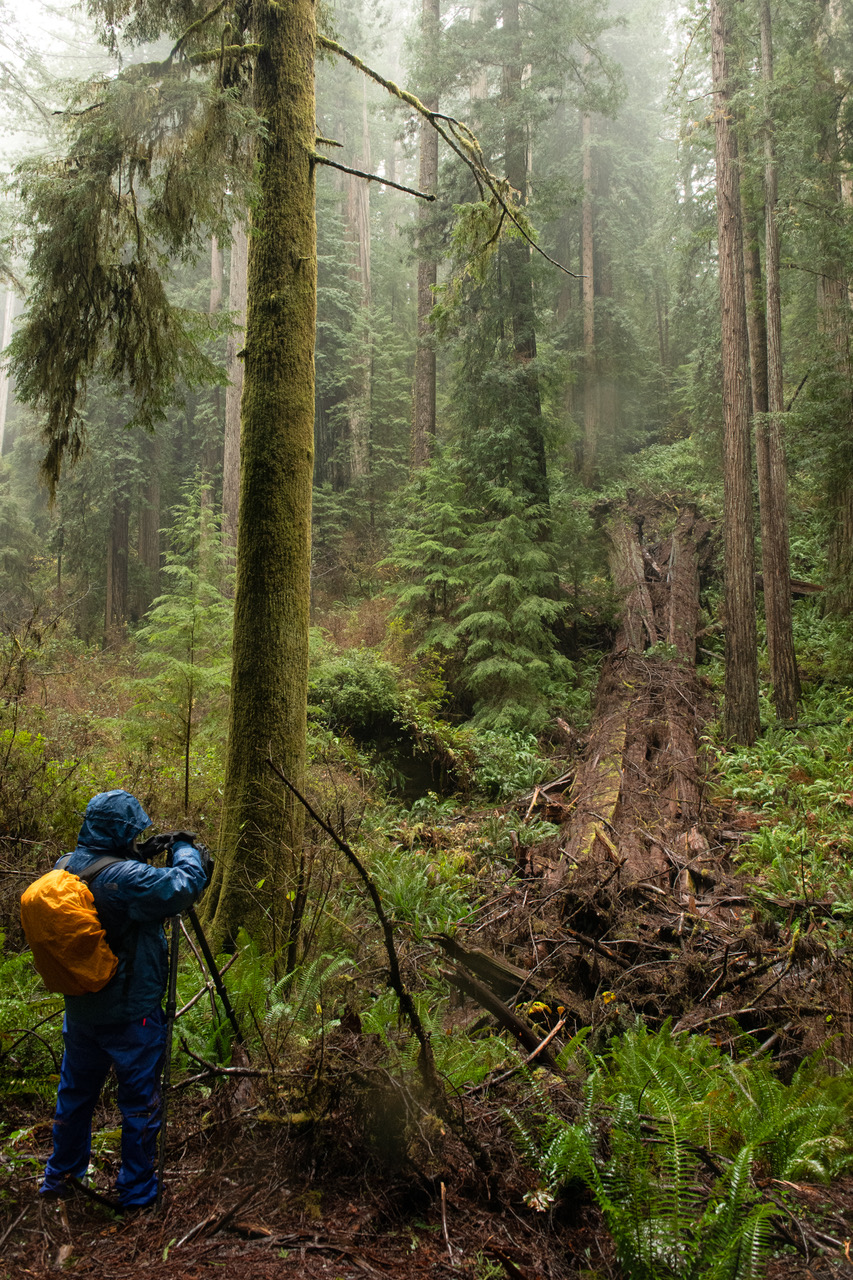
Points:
(151, 848)
(206, 862)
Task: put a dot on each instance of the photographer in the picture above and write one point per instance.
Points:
(122, 1026)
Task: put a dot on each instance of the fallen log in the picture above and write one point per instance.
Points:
(642, 741)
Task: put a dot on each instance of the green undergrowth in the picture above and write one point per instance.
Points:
(799, 784)
(30, 1030)
(675, 1142)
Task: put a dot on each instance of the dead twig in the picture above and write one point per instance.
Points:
(11, 1227)
(426, 1059)
(444, 1223)
(488, 1083)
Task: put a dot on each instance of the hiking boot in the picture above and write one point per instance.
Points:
(49, 1194)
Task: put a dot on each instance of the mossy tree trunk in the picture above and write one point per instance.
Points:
(261, 831)
(234, 390)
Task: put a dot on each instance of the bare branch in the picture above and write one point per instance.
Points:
(369, 177)
(458, 137)
(426, 1060)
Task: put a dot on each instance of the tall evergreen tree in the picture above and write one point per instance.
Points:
(160, 162)
(770, 445)
(423, 412)
(741, 709)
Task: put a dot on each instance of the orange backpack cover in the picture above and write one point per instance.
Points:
(68, 942)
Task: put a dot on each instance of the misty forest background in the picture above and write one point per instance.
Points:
(443, 500)
(480, 413)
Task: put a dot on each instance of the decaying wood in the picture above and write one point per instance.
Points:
(507, 980)
(636, 909)
(643, 736)
(510, 1021)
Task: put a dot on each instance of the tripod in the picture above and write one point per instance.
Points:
(171, 1012)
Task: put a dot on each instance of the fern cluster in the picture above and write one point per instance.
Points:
(278, 1014)
(687, 1133)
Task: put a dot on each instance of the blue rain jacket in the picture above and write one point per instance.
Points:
(132, 900)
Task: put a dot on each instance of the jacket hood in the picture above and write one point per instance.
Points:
(112, 820)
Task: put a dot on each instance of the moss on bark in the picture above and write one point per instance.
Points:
(261, 832)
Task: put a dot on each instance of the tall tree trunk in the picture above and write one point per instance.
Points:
(117, 549)
(534, 475)
(741, 709)
(234, 389)
(358, 218)
(591, 395)
(5, 338)
(834, 290)
(770, 443)
(608, 400)
(211, 444)
(423, 417)
(261, 829)
(149, 526)
(564, 306)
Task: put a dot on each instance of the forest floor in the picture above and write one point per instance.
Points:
(257, 1208)
(634, 910)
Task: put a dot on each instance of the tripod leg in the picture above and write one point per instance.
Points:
(214, 973)
(171, 1009)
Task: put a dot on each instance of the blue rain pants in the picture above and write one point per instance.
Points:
(135, 1051)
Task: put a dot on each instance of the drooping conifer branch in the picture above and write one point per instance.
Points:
(370, 177)
(461, 140)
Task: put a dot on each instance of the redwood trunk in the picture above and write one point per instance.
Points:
(741, 709)
(423, 422)
(772, 465)
(5, 337)
(591, 399)
(358, 218)
(149, 527)
(517, 256)
(116, 605)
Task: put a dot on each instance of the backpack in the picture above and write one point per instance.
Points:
(68, 942)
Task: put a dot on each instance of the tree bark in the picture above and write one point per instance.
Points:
(534, 474)
(591, 397)
(5, 337)
(608, 402)
(261, 830)
(741, 707)
(423, 418)
(644, 733)
(211, 449)
(116, 603)
(834, 300)
(770, 444)
(149, 526)
(358, 218)
(234, 390)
